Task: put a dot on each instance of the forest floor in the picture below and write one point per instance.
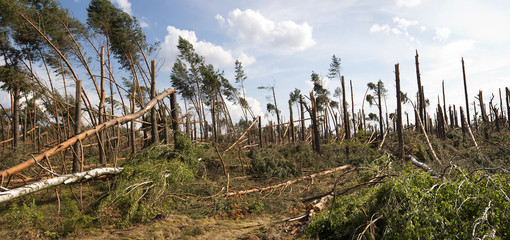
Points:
(204, 200)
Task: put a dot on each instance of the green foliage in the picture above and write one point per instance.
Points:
(283, 161)
(321, 93)
(334, 67)
(417, 206)
(142, 190)
(25, 216)
(267, 163)
(73, 219)
(124, 33)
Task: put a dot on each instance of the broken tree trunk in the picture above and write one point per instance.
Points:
(427, 138)
(465, 92)
(91, 132)
(399, 115)
(238, 193)
(78, 153)
(64, 179)
(154, 121)
(313, 115)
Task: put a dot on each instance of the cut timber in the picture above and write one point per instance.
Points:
(64, 179)
(91, 132)
(341, 168)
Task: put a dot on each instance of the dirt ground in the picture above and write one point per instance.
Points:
(183, 227)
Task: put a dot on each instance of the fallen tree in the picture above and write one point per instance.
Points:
(64, 179)
(91, 132)
(261, 189)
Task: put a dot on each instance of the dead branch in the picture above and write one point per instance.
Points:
(253, 123)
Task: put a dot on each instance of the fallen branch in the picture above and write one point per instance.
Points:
(422, 166)
(237, 193)
(91, 132)
(228, 149)
(426, 136)
(64, 179)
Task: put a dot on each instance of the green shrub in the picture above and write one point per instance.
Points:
(141, 190)
(24, 216)
(269, 162)
(73, 219)
(417, 206)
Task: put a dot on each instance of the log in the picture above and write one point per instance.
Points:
(64, 179)
(91, 132)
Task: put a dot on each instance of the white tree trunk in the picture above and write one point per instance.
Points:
(64, 179)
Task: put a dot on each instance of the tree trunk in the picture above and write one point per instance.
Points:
(444, 108)
(303, 117)
(174, 112)
(154, 122)
(78, 155)
(260, 131)
(381, 125)
(465, 92)
(291, 127)
(277, 116)
(101, 117)
(399, 115)
(64, 179)
(315, 127)
(15, 116)
(353, 116)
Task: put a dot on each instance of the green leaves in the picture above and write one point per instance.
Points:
(415, 205)
(124, 33)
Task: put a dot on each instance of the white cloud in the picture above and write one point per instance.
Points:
(252, 28)
(237, 113)
(212, 53)
(246, 59)
(144, 23)
(380, 28)
(125, 5)
(400, 27)
(442, 34)
(384, 28)
(408, 3)
(403, 23)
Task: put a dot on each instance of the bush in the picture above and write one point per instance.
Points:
(269, 162)
(415, 205)
(141, 190)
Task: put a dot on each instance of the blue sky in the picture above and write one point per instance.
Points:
(282, 42)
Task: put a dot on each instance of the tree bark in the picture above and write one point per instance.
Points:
(174, 112)
(64, 179)
(154, 122)
(399, 115)
(381, 125)
(315, 127)
(465, 92)
(291, 127)
(78, 155)
(101, 117)
(15, 116)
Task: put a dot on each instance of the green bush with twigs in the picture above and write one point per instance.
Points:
(142, 190)
(415, 205)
